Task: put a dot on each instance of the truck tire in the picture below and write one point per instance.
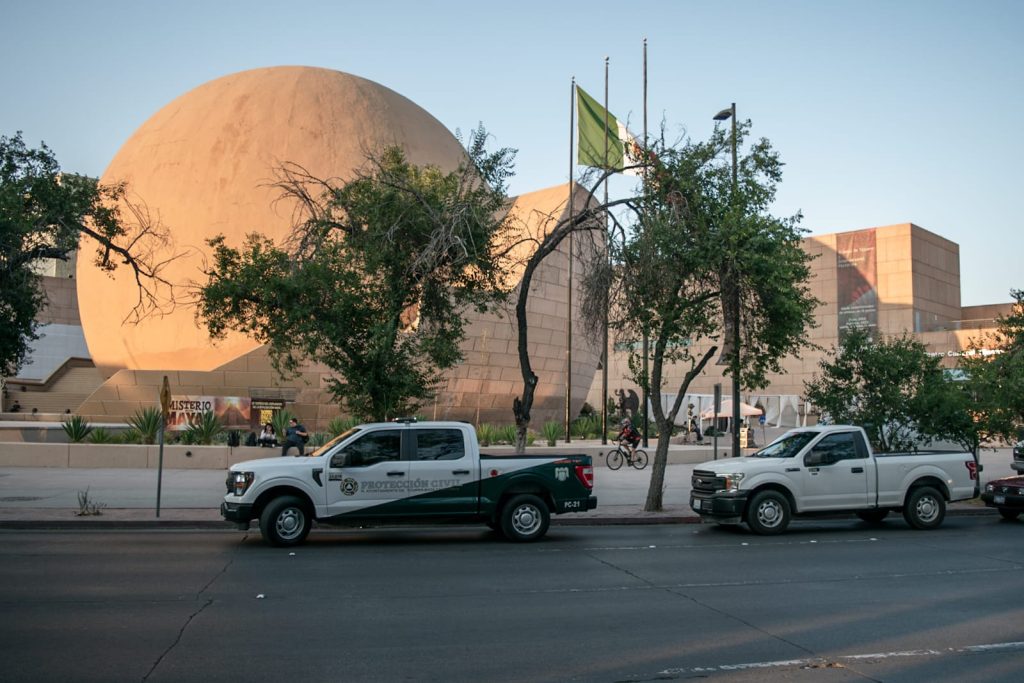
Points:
(525, 518)
(1008, 514)
(873, 516)
(925, 508)
(768, 513)
(285, 521)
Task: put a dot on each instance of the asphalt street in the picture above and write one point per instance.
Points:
(831, 600)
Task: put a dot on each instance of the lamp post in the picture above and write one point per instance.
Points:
(724, 115)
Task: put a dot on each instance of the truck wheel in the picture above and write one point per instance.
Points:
(873, 516)
(1008, 514)
(525, 518)
(925, 508)
(768, 513)
(285, 521)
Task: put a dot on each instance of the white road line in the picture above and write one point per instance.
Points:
(817, 662)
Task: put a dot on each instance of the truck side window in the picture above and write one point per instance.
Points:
(439, 444)
(373, 448)
(841, 446)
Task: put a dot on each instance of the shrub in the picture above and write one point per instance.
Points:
(76, 428)
(318, 439)
(338, 425)
(102, 435)
(530, 437)
(130, 436)
(205, 430)
(280, 423)
(147, 424)
(507, 433)
(485, 434)
(551, 431)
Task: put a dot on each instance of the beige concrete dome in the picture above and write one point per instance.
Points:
(202, 164)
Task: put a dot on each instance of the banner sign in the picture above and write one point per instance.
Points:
(232, 411)
(857, 282)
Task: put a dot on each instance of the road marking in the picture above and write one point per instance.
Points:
(837, 662)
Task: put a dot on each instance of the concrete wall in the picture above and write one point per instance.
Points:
(125, 456)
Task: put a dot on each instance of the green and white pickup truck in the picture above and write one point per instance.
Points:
(407, 472)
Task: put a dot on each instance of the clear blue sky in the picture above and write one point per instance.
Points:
(884, 111)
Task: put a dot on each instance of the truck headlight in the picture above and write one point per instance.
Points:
(732, 481)
(239, 482)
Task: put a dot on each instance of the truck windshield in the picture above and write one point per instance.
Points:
(787, 446)
(336, 440)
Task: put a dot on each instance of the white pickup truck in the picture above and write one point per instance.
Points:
(826, 470)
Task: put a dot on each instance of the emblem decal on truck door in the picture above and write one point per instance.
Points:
(349, 486)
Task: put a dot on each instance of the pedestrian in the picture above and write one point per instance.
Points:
(268, 438)
(295, 435)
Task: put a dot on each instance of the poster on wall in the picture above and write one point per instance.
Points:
(857, 281)
(232, 411)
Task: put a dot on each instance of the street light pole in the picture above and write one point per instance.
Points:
(730, 113)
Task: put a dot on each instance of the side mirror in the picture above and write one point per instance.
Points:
(338, 460)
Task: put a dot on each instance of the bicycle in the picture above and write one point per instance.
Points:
(615, 458)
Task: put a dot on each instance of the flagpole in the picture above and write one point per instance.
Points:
(605, 356)
(568, 316)
(646, 345)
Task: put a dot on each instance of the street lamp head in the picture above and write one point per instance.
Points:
(723, 115)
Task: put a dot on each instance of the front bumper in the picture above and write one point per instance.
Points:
(1003, 500)
(724, 507)
(240, 513)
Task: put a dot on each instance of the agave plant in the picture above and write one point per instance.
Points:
(101, 435)
(486, 434)
(507, 433)
(280, 423)
(205, 430)
(318, 439)
(130, 436)
(147, 422)
(339, 425)
(76, 428)
(551, 431)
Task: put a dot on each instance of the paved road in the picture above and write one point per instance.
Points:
(832, 600)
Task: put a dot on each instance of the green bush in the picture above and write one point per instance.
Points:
(76, 428)
(530, 437)
(586, 427)
(318, 439)
(102, 435)
(338, 425)
(147, 424)
(551, 431)
(486, 434)
(205, 430)
(280, 423)
(507, 434)
(130, 436)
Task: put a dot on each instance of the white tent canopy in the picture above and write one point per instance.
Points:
(726, 410)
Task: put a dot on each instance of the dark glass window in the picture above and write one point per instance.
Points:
(439, 444)
(842, 446)
(373, 448)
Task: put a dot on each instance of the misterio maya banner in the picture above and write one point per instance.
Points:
(232, 411)
(857, 281)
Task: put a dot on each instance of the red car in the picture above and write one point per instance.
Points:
(1005, 494)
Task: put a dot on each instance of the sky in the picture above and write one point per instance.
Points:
(884, 111)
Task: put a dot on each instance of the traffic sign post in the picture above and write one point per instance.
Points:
(165, 409)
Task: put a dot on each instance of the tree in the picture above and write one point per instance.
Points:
(891, 387)
(43, 215)
(695, 236)
(375, 276)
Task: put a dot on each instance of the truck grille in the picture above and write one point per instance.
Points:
(706, 481)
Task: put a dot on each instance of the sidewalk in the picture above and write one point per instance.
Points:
(48, 498)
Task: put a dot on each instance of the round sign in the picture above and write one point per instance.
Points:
(761, 418)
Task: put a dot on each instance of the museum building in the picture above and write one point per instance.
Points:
(204, 165)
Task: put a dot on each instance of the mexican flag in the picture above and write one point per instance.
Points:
(623, 149)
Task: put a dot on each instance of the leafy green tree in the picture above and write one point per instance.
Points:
(375, 277)
(891, 387)
(695, 236)
(43, 215)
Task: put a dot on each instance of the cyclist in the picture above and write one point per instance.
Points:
(629, 436)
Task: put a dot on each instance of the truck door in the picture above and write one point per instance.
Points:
(369, 476)
(835, 474)
(445, 473)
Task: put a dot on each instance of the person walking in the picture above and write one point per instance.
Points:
(295, 435)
